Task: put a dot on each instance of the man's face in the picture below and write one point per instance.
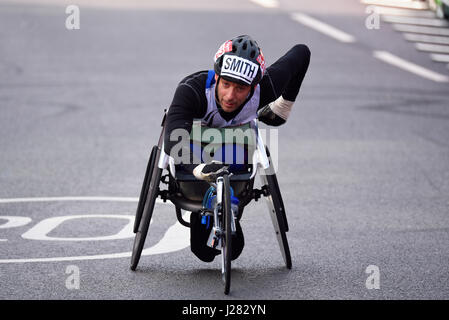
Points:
(231, 95)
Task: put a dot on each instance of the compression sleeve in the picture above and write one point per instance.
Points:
(285, 76)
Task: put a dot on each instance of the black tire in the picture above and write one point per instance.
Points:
(281, 233)
(144, 190)
(281, 216)
(227, 239)
(142, 231)
(273, 188)
(275, 191)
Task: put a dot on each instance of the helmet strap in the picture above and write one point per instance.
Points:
(217, 102)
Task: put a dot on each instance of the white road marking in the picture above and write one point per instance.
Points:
(13, 222)
(439, 57)
(422, 30)
(404, 12)
(398, 3)
(410, 67)
(426, 38)
(416, 21)
(322, 27)
(267, 3)
(55, 199)
(176, 238)
(432, 48)
(41, 229)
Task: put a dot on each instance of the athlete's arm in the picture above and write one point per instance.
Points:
(189, 102)
(280, 85)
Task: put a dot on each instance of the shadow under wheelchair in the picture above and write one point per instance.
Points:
(191, 282)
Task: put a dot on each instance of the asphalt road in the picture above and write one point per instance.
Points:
(363, 159)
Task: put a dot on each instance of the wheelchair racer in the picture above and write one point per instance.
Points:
(238, 90)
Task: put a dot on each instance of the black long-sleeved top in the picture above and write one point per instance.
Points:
(284, 77)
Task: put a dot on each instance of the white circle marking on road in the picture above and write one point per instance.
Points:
(42, 228)
(177, 237)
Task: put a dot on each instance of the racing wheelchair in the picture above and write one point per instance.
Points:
(176, 183)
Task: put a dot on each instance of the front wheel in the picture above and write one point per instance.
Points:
(226, 216)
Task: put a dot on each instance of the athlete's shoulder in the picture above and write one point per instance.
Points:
(191, 91)
(197, 78)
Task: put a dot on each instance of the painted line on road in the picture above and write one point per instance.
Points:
(426, 38)
(75, 258)
(409, 66)
(402, 19)
(421, 30)
(323, 27)
(14, 222)
(439, 57)
(176, 238)
(416, 21)
(399, 4)
(432, 48)
(403, 12)
(267, 3)
(55, 199)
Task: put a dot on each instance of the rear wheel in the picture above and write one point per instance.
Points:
(142, 230)
(277, 212)
(145, 186)
(279, 227)
(275, 192)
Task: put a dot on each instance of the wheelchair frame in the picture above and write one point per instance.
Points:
(151, 190)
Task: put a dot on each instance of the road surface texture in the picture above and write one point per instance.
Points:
(363, 158)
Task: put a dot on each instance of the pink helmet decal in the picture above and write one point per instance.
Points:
(225, 47)
(261, 60)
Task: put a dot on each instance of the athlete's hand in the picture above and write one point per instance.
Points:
(276, 112)
(267, 116)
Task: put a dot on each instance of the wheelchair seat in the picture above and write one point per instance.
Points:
(234, 149)
(193, 189)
